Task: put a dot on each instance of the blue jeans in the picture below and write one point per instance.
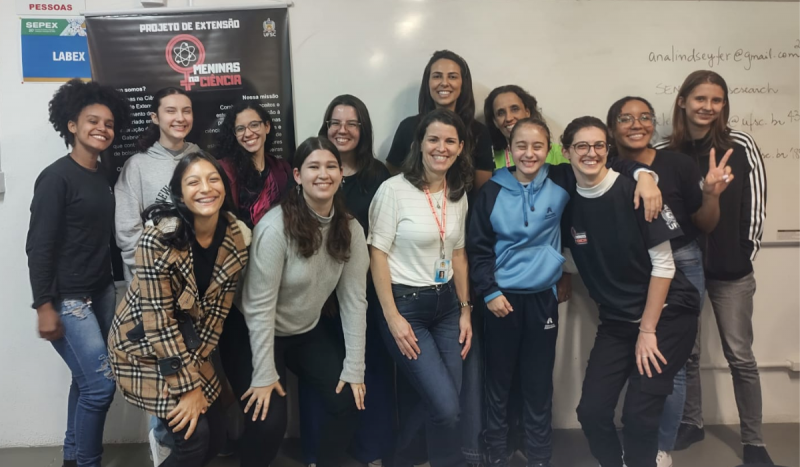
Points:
(435, 375)
(86, 323)
(688, 260)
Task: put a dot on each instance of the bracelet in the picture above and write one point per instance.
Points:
(646, 332)
(465, 304)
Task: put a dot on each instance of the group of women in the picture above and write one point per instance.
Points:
(333, 268)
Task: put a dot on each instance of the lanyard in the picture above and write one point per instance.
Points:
(508, 159)
(443, 224)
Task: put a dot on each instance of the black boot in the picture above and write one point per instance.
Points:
(687, 435)
(756, 455)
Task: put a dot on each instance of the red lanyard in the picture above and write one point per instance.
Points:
(443, 224)
(508, 159)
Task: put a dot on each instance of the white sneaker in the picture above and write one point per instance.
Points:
(158, 452)
(663, 459)
(376, 463)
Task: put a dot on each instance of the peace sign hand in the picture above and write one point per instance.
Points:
(719, 176)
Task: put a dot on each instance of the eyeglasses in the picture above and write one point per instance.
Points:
(337, 124)
(582, 148)
(253, 126)
(644, 119)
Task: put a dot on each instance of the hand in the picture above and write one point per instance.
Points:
(403, 336)
(646, 353)
(499, 306)
(260, 398)
(359, 392)
(50, 327)
(564, 287)
(647, 189)
(465, 336)
(719, 176)
(190, 406)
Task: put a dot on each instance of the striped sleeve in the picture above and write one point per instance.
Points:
(754, 197)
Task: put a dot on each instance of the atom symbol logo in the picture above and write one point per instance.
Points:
(184, 54)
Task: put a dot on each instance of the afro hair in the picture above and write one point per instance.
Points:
(75, 95)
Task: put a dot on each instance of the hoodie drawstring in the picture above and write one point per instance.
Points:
(530, 202)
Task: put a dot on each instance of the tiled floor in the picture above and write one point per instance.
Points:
(721, 448)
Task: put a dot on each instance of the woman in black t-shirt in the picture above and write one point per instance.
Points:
(648, 309)
(447, 83)
(72, 223)
(347, 125)
(693, 200)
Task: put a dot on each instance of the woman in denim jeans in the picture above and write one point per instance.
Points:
(694, 201)
(419, 267)
(72, 222)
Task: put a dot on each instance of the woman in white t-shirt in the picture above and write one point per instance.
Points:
(419, 267)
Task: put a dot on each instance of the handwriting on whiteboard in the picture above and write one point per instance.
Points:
(745, 57)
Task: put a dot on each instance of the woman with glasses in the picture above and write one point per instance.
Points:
(514, 248)
(258, 182)
(648, 309)
(258, 179)
(347, 125)
(694, 202)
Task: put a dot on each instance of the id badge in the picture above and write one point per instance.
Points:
(441, 270)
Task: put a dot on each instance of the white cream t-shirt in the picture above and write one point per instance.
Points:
(402, 225)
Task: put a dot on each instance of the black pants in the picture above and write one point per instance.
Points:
(611, 364)
(204, 444)
(524, 340)
(316, 358)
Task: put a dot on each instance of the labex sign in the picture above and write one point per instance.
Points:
(54, 49)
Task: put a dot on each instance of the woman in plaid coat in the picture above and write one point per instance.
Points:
(187, 266)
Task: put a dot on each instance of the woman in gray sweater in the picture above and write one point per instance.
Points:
(302, 251)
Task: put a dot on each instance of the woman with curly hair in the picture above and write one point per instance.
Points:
(72, 222)
(258, 179)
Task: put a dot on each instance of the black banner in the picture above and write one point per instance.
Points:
(218, 57)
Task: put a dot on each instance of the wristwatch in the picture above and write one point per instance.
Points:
(464, 304)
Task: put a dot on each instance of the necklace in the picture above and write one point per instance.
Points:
(439, 199)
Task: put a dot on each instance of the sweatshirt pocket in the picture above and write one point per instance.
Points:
(529, 269)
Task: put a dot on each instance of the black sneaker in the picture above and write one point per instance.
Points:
(70, 463)
(756, 455)
(687, 435)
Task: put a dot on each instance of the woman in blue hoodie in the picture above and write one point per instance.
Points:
(515, 264)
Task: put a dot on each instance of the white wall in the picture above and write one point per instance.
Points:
(34, 381)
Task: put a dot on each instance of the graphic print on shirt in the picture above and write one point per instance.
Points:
(163, 195)
(580, 237)
(550, 214)
(669, 217)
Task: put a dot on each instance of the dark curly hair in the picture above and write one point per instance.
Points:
(228, 145)
(530, 103)
(301, 225)
(459, 176)
(367, 167)
(75, 95)
(182, 237)
(153, 133)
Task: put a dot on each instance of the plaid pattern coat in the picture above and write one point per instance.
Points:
(147, 351)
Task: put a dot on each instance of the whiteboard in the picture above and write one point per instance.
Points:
(577, 58)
